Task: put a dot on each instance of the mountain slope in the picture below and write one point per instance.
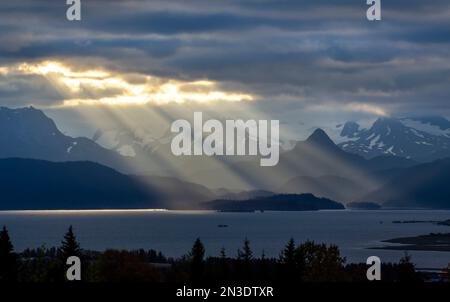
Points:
(29, 133)
(178, 194)
(36, 184)
(329, 186)
(315, 157)
(424, 186)
(422, 139)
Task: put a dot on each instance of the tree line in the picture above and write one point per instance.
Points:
(305, 262)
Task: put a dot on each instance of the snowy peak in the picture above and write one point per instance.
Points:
(386, 126)
(26, 122)
(350, 129)
(421, 139)
(438, 121)
(437, 126)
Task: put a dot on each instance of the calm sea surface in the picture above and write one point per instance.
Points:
(173, 232)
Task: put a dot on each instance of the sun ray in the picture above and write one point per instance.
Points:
(98, 86)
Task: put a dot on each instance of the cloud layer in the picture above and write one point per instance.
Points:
(293, 54)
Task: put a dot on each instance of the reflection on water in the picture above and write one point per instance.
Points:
(173, 232)
(59, 212)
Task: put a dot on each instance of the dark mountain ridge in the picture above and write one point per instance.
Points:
(27, 184)
(329, 186)
(421, 186)
(316, 165)
(315, 157)
(29, 133)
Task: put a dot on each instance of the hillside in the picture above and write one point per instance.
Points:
(28, 184)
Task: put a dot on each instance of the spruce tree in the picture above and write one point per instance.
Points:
(245, 257)
(406, 269)
(8, 263)
(6, 246)
(197, 259)
(288, 262)
(288, 254)
(69, 246)
(246, 253)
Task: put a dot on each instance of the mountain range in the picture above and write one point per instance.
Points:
(42, 167)
(422, 139)
(29, 133)
(29, 184)
(420, 186)
(315, 157)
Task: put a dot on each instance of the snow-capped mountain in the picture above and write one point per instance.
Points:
(418, 138)
(130, 143)
(127, 143)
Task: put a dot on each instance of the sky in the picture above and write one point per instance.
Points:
(306, 63)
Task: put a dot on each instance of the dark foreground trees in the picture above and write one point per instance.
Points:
(8, 259)
(69, 246)
(319, 262)
(49, 265)
(305, 262)
(121, 266)
(197, 260)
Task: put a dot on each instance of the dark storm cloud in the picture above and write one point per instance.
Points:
(21, 91)
(315, 51)
(64, 47)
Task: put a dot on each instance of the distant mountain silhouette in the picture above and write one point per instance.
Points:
(320, 139)
(317, 156)
(423, 186)
(27, 184)
(329, 186)
(29, 133)
(281, 202)
(321, 143)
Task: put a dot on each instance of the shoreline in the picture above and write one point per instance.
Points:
(433, 242)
